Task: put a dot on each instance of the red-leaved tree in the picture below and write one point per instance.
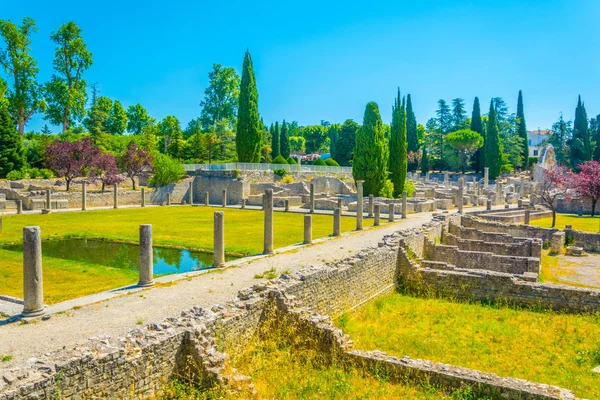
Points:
(587, 182)
(556, 183)
(71, 160)
(135, 161)
(106, 170)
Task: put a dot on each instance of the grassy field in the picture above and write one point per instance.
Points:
(539, 346)
(189, 227)
(584, 223)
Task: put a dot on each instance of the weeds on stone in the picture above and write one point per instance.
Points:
(268, 274)
(6, 358)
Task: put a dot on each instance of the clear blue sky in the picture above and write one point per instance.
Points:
(315, 60)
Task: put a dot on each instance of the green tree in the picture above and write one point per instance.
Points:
(370, 154)
(464, 142)
(492, 146)
(595, 128)
(249, 134)
(66, 91)
(275, 147)
(344, 146)
(398, 146)
(138, 119)
(412, 138)
(166, 171)
(581, 145)
(12, 152)
(24, 97)
(284, 141)
(425, 160)
(117, 121)
(477, 126)
(522, 131)
(169, 130)
(97, 119)
(297, 144)
(316, 136)
(459, 114)
(220, 97)
(560, 138)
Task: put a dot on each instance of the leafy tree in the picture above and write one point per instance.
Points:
(24, 97)
(344, 146)
(98, 118)
(522, 131)
(316, 136)
(465, 142)
(444, 125)
(561, 137)
(193, 127)
(138, 119)
(370, 154)
(135, 161)
(459, 114)
(425, 161)
(595, 129)
(477, 126)
(284, 141)
(45, 130)
(72, 159)
(117, 122)
(297, 144)
(248, 140)
(12, 152)
(220, 97)
(166, 171)
(106, 170)
(493, 149)
(398, 157)
(412, 138)
(169, 129)
(581, 146)
(66, 92)
(275, 148)
(555, 184)
(587, 182)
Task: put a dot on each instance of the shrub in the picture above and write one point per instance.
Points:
(387, 190)
(279, 160)
(287, 179)
(292, 161)
(409, 187)
(279, 172)
(45, 173)
(533, 161)
(34, 173)
(331, 162)
(319, 161)
(14, 175)
(166, 170)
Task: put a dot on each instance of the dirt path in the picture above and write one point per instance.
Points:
(118, 315)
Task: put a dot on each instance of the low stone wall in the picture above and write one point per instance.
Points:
(588, 240)
(476, 234)
(523, 231)
(526, 248)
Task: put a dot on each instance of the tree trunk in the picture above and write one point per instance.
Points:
(133, 182)
(68, 184)
(103, 186)
(594, 206)
(553, 218)
(21, 128)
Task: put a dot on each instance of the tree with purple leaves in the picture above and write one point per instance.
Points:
(135, 162)
(71, 160)
(106, 170)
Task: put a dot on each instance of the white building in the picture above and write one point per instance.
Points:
(536, 140)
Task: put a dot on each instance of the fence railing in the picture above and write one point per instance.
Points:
(265, 167)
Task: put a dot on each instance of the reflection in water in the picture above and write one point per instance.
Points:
(123, 255)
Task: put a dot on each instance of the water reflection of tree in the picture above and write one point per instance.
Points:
(125, 257)
(170, 257)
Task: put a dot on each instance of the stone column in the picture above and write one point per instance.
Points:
(191, 193)
(307, 229)
(337, 219)
(286, 205)
(486, 177)
(115, 196)
(404, 204)
(146, 256)
(520, 203)
(33, 288)
(557, 242)
(268, 234)
(48, 199)
(391, 212)
(460, 195)
(339, 203)
(19, 206)
(168, 199)
(527, 217)
(0, 223)
(488, 204)
(312, 197)
(219, 237)
(427, 176)
(359, 205)
(371, 202)
(206, 199)
(243, 203)
(84, 196)
(446, 177)
(224, 199)
(376, 212)
(143, 194)
(522, 187)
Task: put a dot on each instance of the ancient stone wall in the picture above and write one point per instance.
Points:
(523, 231)
(526, 248)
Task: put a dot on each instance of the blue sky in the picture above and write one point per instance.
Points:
(318, 60)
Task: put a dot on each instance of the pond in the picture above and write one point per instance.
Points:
(124, 255)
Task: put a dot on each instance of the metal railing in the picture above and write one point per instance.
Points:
(265, 167)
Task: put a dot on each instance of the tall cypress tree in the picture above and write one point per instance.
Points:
(493, 150)
(370, 154)
(12, 152)
(581, 146)
(522, 130)
(284, 141)
(477, 126)
(275, 146)
(249, 135)
(398, 146)
(596, 133)
(412, 138)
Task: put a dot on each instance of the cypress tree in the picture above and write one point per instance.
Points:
(248, 136)
(370, 154)
(275, 146)
(284, 141)
(398, 146)
(581, 146)
(477, 126)
(12, 152)
(412, 138)
(596, 132)
(522, 130)
(493, 150)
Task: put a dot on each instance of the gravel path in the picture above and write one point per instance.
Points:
(118, 315)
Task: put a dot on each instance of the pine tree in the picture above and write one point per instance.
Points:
(522, 130)
(493, 150)
(248, 136)
(12, 152)
(275, 145)
(581, 146)
(284, 141)
(398, 146)
(412, 138)
(477, 126)
(459, 115)
(370, 154)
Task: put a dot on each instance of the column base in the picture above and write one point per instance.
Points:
(33, 313)
(145, 284)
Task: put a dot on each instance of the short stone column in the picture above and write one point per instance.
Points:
(243, 203)
(339, 203)
(206, 199)
(337, 221)
(460, 195)
(486, 177)
(191, 193)
(404, 205)
(520, 203)
(268, 226)
(307, 229)
(219, 239)
(359, 205)
(286, 205)
(427, 176)
(312, 197)
(84, 196)
(48, 199)
(371, 203)
(391, 212)
(527, 217)
(146, 256)
(33, 287)
(0, 223)
(168, 199)
(115, 196)
(143, 194)
(224, 199)
(488, 204)
(19, 206)
(446, 177)
(522, 187)
(376, 213)
(557, 242)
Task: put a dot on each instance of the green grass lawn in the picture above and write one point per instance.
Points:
(584, 223)
(544, 347)
(188, 227)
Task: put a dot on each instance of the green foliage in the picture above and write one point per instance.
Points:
(493, 149)
(279, 160)
(316, 137)
(398, 158)
(581, 146)
(371, 155)
(387, 190)
(221, 97)
(409, 187)
(522, 132)
(248, 140)
(459, 114)
(275, 147)
(280, 172)
(532, 161)
(331, 162)
(477, 126)
(14, 175)
(166, 171)
(292, 161)
(138, 119)
(464, 142)
(12, 152)
(345, 143)
(284, 141)
(117, 123)
(45, 173)
(319, 161)
(297, 144)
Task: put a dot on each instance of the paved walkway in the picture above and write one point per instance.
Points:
(117, 315)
